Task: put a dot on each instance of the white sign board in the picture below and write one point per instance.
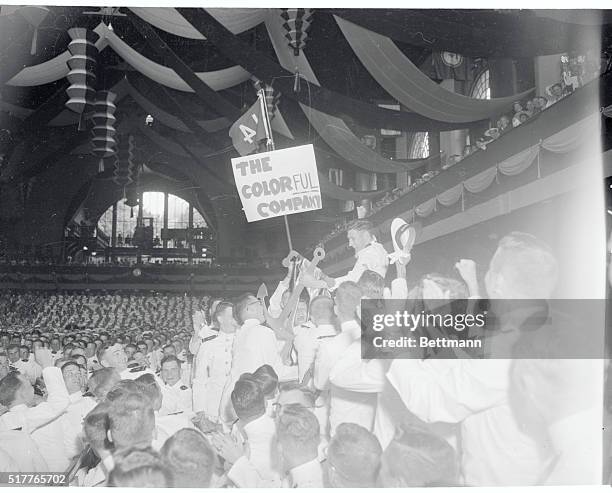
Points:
(278, 183)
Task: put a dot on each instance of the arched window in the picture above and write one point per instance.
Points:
(153, 207)
(419, 147)
(482, 87)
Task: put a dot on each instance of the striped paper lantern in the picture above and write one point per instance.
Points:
(103, 140)
(272, 96)
(122, 175)
(296, 23)
(82, 71)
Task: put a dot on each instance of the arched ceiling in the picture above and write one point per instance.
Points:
(188, 141)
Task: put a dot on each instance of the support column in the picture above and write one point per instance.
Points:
(165, 225)
(401, 146)
(114, 232)
(547, 71)
(190, 234)
(452, 143)
(364, 182)
(139, 223)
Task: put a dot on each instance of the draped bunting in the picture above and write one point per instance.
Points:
(217, 79)
(480, 182)
(426, 208)
(56, 68)
(451, 196)
(342, 140)
(573, 136)
(518, 163)
(53, 69)
(261, 66)
(169, 20)
(505, 36)
(407, 84)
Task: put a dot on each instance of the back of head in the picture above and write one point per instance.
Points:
(418, 458)
(526, 265)
(354, 456)
(240, 306)
(150, 389)
(322, 310)
(131, 421)
(95, 427)
(9, 388)
(348, 298)
(296, 393)
(361, 225)
(298, 432)
(123, 388)
(139, 467)
(372, 284)
(248, 399)
(190, 457)
(267, 378)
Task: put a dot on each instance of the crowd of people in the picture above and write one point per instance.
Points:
(258, 392)
(101, 310)
(521, 112)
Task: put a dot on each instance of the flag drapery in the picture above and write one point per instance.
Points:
(249, 130)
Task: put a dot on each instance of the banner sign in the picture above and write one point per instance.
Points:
(278, 183)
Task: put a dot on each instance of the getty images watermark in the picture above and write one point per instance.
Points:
(483, 329)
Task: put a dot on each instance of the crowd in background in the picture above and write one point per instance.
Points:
(231, 392)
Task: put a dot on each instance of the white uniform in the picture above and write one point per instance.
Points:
(42, 421)
(72, 422)
(176, 398)
(29, 369)
(306, 344)
(344, 406)
(373, 257)
(254, 345)
(474, 393)
(213, 363)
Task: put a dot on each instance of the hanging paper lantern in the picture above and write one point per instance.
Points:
(272, 96)
(123, 165)
(103, 141)
(35, 15)
(296, 23)
(82, 73)
(131, 191)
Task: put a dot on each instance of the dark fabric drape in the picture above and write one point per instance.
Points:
(411, 87)
(503, 36)
(323, 99)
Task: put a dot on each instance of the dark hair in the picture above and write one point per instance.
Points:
(298, 426)
(241, 304)
(150, 389)
(267, 378)
(9, 386)
(372, 284)
(131, 420)
(361, 225)
(102, 381)
(190, 457)
(220, 309)
(248, 398)
(169, 358)
(139, 467)
(355, 453)
(96, 425)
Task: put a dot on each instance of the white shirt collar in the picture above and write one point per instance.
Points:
(251, 322)
(309, 472)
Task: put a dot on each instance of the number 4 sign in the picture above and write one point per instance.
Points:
(248, 130)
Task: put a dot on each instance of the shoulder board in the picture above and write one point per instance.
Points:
(184, 387)
(325, 337)
(209, 338)
(133, 365)
(137, 369)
